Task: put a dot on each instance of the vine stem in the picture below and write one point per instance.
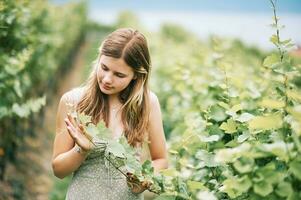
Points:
(285, 77)
(108, 159)
(273, 2)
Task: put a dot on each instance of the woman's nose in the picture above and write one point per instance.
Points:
(107, 78)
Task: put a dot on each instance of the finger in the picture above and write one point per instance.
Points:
(84, 132)
(82, 129)
(70, 132)
(68, 123)
(146, 184)
(72, 120)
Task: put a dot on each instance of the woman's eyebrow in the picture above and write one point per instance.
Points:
(114, 71)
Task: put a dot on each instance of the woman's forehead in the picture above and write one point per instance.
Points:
(115, 64)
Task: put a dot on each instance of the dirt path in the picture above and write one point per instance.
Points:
(72, 79)
(33, 166)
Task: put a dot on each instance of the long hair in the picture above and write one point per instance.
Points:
(131, 46)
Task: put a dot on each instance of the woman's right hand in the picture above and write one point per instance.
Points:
(135, 185)
(77, 132)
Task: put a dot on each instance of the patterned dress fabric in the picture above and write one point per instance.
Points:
(97, 179)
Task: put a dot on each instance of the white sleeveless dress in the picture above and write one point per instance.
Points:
(95, 179)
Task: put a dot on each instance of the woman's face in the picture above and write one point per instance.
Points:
(113, 75)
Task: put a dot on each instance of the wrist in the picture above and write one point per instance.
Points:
(80, 150)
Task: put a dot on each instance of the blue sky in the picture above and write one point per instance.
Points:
(287, 6)
(247, 20)
(262, 6)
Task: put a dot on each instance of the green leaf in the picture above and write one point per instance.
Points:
(243, 137)
(285, 42)
(271, 61)
(269, 174)
(266, 122)
(212, 138)
(263, 188)
(4, 111)
(274, 39)
(273, 104)
(284, 189)
(234, 187)
(224, 105)
(115, 148)
(36, 104)
(217, 113)
(169, 172)
(236, 108)
(21, 110)
(245, 117)
(278, 148)
(166, 197)
(244, 165)
(295, 168)
(173, 152)
(232, 143)
(206, 195)
(195, 185)
(84, 119)
(229, 126)
(147, 167)
(132, 164)
(103, 132)
(17, 88)
(92, 131)
(207, 158)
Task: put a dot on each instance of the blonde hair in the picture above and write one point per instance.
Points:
(130, 45)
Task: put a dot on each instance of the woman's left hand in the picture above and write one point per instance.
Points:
(77, 132)
(135, 185)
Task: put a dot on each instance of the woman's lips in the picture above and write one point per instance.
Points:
(107, 87)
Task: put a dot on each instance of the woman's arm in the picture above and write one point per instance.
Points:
(157, 144)
(65, 158)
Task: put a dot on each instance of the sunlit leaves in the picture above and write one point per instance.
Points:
(232, 154)
(279, 149)
(229, 126)
(116, 149)
(195, 185)
(234, 187)
(244, 165)
(169, 172)
(284, 189)
(266, 122)
(295, 168)
(245, 117)
(32, 105)
(271, 61)
(263, 188)
(217, 113)
(206, 159)
(251, 113)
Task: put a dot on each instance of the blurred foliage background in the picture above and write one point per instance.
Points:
(231, 112)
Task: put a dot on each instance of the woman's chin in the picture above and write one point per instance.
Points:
(105, 91)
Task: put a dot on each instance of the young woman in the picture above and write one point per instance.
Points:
(117, 93)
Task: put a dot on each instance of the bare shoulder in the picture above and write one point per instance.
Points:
(68, 99)
(73, 96)
(153, 99)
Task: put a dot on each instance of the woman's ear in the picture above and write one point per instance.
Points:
(135, 76)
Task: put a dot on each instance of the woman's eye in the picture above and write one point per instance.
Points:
(104, 68)
(120, 75)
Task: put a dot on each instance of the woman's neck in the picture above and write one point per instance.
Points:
(114, 100)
